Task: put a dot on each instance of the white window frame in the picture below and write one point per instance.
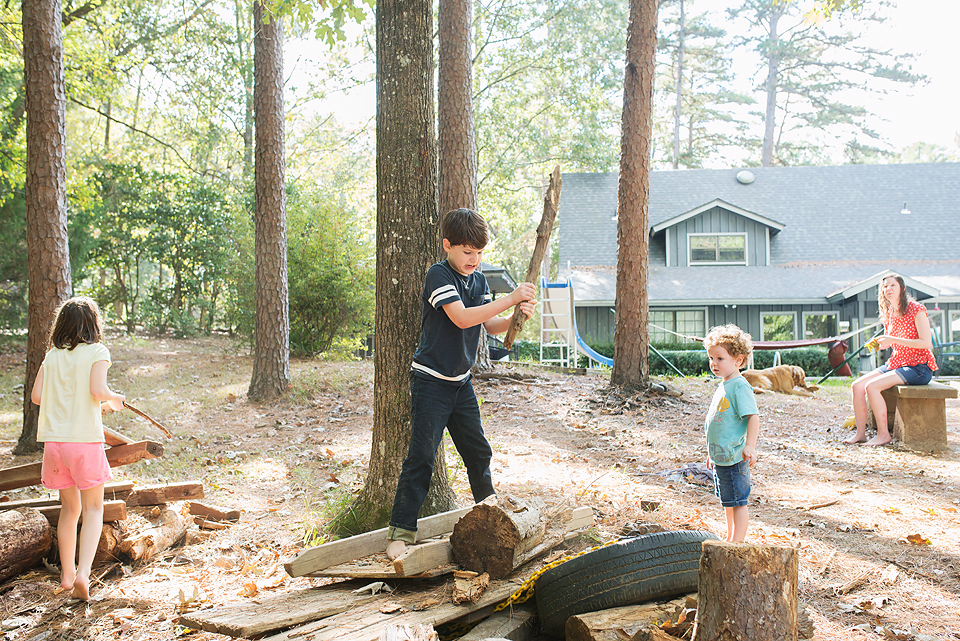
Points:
(942, 332)
(836, 316)
(953, 316)
(706, 316)
(773, 313)
(746, 248)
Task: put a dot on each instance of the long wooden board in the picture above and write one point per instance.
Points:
(111, 492)
(312, 560)
(112, 511)
(265, 616)
(379, 569)
(157, 494)
(27, 475)
(365, 623)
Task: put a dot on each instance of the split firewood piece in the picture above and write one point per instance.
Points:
(160, 494)
(27, 537)
(493, 536)
(212, 513)
(615, 624)
(468, 586)
(168, 529)
(27, 475)
(423, 556)
(551, 203)
(112, 511)
(206, 524)
(742, 584)
(404, 632)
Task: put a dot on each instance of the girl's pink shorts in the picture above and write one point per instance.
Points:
(67, 464)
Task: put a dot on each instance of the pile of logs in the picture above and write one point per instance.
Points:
(28, 527)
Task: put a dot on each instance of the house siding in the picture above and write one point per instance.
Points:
(715, 221)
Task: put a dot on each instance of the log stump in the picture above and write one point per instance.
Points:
(27, 537)
(747, 593)
(493, 536)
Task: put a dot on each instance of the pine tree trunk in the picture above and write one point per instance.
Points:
(48, 255)
(631, 364)
(271, 353)
(407, 222)
(770, 88)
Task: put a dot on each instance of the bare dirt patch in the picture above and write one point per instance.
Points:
(878, 530)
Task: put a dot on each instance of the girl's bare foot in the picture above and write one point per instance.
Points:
(81, 588)
(395, 549)
(67, 579)
(879, 440)
(856, 438)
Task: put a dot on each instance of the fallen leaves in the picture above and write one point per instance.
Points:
(918, 539)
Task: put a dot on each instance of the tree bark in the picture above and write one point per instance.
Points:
(271, 352)
(407, 222)
(631, 364)
(48, 254)
(772, 51)
(747, 592)
(168, 529)
(27, 538)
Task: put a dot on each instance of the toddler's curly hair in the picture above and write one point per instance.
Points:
(731, 338)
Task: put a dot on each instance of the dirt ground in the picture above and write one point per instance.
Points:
(877, 529)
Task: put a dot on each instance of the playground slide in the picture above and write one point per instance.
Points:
(555, 308)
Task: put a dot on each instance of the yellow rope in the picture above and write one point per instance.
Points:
(525, 591)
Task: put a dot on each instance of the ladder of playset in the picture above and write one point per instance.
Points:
(555, 325)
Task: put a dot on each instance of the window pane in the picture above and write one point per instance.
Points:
(778, 327)
(732, 249)
(691, 322)
(661, 319)
(821, 326)
(954, 326)
(703, 249)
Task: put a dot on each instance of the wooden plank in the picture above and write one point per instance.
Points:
(317, 558)
(265, 616)
(212, 513)
(111, 491)
(515, 624)
(426, 556)
(365, 623)
(114, 438)
(112, 511)
(378, 569)
(158, 494)
(27, 475)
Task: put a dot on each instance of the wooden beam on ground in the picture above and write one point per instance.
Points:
(318, 558)
(211, 513)
(364, 623)
(551, 203)
(516, 624)
(111, 491)
(112, 511)
(160, 494)
(270, 615)
(27, 475)
(423, 557)
(378, 568)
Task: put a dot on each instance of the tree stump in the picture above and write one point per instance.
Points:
(493, 536)
(747, 593)
(27, 537)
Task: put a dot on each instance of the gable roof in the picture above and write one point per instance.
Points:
(874, 281)
(717, 202)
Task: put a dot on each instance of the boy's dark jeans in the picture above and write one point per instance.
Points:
(435, 405)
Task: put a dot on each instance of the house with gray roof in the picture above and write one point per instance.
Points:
(786, 253)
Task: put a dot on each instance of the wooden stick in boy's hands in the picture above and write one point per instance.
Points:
(155, 422)
(551, 202)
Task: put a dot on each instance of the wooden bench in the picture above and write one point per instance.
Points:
(917, 415)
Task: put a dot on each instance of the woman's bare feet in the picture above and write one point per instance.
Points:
(395, 549)
(81, 588)
(879, 440)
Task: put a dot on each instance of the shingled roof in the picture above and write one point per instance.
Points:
(840, 225)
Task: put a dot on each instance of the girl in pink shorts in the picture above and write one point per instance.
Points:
(70, 385)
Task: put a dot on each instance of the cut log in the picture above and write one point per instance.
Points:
(212, 513)
(108, 549)
(27, 475)
(327, 555)
(747, 592)
(112, 511)
(160, 494)
(551, 203)
(617, 624)
(492, 536)
(514, 624)
(165, 532)
(27, 538)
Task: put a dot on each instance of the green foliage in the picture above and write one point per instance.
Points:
(331, 274)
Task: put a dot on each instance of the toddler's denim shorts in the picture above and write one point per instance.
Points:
(912, 374)
(731, 483)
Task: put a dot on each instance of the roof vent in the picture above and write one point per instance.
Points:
(745, 177)
(904, 210)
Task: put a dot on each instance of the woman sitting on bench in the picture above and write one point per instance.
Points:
(907, 329)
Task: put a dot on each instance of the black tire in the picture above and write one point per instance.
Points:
(645, 568)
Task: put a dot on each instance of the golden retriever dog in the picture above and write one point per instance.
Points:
(786, 379)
